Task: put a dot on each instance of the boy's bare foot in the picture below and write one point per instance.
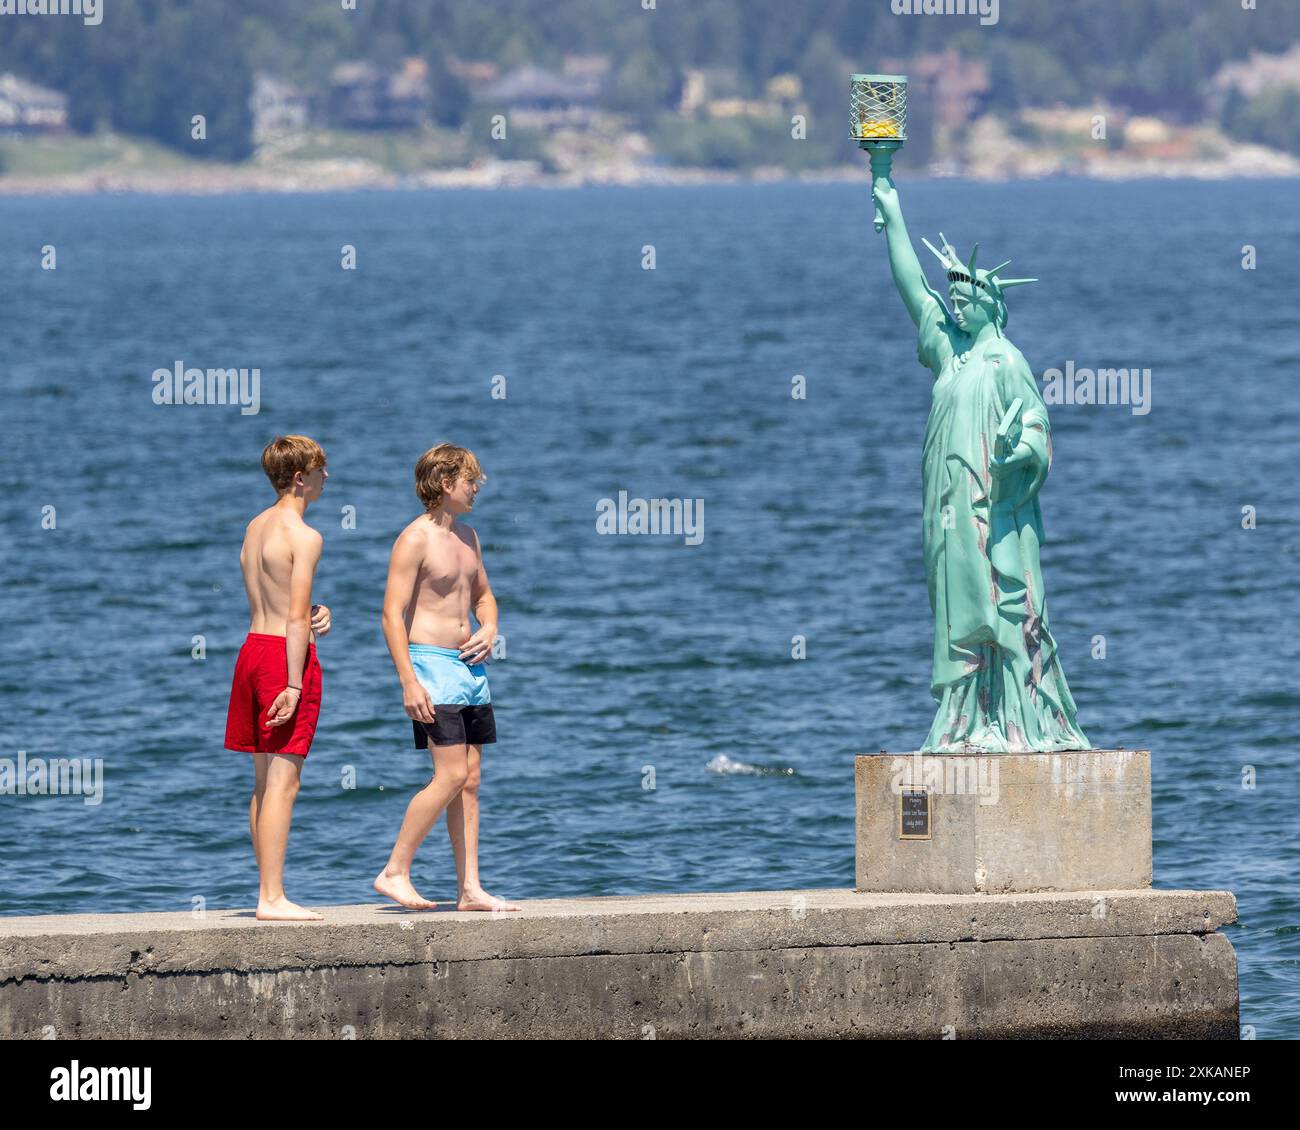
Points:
(476, 898)
(282, 910)
(399, 889)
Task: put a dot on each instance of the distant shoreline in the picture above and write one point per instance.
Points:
(224, 182)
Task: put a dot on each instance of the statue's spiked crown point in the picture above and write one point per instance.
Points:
(937, 253)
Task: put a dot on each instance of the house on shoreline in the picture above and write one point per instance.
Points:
(26, 107)
(364, 96)
(534, 96)
(280, 109)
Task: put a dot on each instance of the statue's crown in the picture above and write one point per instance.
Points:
(974, 277)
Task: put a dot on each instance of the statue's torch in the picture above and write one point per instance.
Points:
(878, 122)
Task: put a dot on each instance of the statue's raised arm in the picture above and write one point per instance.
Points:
(906, 268)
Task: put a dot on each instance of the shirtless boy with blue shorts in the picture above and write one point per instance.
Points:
(435, 579)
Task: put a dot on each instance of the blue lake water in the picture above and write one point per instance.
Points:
(631, 652)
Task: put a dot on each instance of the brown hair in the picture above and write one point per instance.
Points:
(285, 456)
(445, 461)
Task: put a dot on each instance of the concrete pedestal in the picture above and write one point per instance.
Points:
(1001, 823)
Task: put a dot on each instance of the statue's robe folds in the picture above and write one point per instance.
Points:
(996, 674)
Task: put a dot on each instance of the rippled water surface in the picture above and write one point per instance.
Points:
(625, 653)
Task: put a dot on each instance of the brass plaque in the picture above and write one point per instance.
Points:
(914, 814)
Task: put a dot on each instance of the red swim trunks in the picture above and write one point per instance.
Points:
(261, 673)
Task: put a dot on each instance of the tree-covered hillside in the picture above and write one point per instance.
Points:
(152, 64)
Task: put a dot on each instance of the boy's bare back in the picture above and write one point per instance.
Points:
(275, 542)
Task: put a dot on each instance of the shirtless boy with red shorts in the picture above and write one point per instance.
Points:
(276, 691)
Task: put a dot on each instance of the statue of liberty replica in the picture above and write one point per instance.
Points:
(996, 673)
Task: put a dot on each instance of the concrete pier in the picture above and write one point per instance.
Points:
(775, 964)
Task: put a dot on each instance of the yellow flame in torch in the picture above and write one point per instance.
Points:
(874, 128)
